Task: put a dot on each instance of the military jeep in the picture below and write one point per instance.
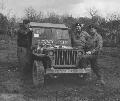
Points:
(53, 53)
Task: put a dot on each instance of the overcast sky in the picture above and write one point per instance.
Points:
(75, 7)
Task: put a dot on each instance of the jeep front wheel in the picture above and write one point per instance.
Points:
(38, 73)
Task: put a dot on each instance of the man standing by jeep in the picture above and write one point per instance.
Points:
(24, 42)
(79, 39)
(91, 44)
(95, 44)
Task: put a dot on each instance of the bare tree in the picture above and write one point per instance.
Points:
(93, 12)
(52, 17)
(30, 13)
(95, 16)
(4, 10)
(113, 16)
(33, 15)
(40, 16)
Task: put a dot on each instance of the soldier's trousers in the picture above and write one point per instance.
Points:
(94, 66)
(92, 60)
(24, 58)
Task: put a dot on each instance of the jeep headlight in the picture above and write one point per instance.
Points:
(79, 53)
(51, 53)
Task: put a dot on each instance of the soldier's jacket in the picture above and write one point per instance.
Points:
(24, 37)
(95, 43)
(80, 41)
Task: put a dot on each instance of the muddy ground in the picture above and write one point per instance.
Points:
(66, 88)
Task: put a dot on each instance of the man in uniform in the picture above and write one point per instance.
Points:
(24, 42)
(95, 44)
(79, 37)
(91, 44)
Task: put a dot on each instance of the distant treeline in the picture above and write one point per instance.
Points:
(109, 29)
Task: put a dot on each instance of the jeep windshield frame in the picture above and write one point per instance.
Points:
(58, 33)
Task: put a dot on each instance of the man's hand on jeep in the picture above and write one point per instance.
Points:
(93, 51)
(88, 53)
(30, 29)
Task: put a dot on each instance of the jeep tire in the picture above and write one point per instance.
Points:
(38, 73)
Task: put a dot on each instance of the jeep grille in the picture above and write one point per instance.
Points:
(65, 57)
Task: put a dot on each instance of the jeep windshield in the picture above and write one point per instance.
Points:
(52, 35)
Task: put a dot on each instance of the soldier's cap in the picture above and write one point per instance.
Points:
(26, 21)
(78, 24)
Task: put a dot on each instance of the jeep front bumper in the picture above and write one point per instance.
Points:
(69, 71)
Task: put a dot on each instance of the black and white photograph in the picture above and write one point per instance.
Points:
(59, 50)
